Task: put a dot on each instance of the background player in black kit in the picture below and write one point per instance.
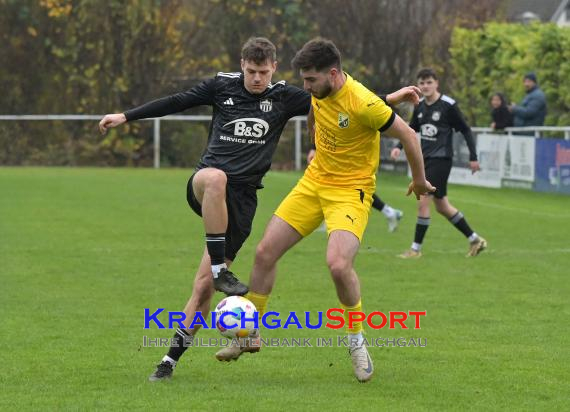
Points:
(435, 118)
(249, 114)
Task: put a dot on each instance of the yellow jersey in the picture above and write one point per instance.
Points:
(347, 136)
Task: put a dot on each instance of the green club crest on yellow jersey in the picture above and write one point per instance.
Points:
(342, 120)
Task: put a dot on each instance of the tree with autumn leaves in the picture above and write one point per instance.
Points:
(94, 57)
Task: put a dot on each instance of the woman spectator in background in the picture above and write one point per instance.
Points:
(501, 115)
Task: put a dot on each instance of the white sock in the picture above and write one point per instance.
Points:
(388, 211)
(416, 246)
(169, 360)
(473, 237)
(355, 340)
(216, 269)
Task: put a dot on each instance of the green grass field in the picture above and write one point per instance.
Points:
(84, 251)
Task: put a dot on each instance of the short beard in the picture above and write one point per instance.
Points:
(325, 93)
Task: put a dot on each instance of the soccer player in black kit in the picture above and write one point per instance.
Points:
(249, 114)
(435, 118)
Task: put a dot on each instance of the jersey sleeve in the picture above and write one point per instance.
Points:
(200, 95)
(376, 114)
(458, 122)
(297, 102)
(414, 123)
(456, 119)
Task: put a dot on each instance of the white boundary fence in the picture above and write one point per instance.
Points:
(299, 130)
(515, 161)
(528, 131)
(156, 127)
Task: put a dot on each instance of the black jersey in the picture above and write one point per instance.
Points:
(435, 123)
(245, 127)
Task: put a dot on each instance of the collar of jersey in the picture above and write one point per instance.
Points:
(431, 104)
(242, 80)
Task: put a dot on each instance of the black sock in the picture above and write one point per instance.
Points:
(182, 340)
(216, 244)
(458, 220)
(377, 203)
(422, 226)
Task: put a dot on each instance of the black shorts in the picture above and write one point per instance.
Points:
(241, 201)
(437, 173)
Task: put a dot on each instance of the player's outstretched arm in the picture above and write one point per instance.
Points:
(111, 120)
(201, 94)
(400, 130)
(410, 94)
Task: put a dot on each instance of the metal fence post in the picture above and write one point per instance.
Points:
(156, 134)
(298, 136)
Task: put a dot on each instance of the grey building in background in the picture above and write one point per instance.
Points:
(527, 11)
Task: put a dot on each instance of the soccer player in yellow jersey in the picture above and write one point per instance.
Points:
(338, 186)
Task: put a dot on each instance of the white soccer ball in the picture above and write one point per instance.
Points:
(239, 307)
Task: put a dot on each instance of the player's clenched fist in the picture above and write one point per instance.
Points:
(395, 153)
(111, 120)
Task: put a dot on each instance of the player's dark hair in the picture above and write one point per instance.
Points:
(258, 50)
(426, 74)
(318, 54)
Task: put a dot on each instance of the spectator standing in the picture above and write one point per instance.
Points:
(532, 110)
(500, 113)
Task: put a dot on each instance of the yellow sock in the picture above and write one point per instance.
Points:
(260, 301)
(356, 325)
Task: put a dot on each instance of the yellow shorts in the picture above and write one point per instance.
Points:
(342, 208)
